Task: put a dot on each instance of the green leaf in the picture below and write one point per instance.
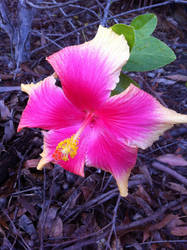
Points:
(127, 31)
(124, 82)
(144, 25)
(149, 54)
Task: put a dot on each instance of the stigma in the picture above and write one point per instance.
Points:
(66, 148)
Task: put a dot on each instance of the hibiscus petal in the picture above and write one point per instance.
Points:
(88, 72)
(52, 139)
(137, 117)
(47, 107)
(111, 155)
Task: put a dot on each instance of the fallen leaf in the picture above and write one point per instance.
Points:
(26, 224)
(116, 244)
(179, 231)
(9, 131)
(177, 187)
(144, 195)
(146, 234)
(172, 160)
(146, 173)
(34, 162)
(163, 223)
(56, 228)
(4, 111)
(177, 77)
(184, 208)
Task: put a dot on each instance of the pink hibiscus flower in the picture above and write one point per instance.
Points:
(86, 124)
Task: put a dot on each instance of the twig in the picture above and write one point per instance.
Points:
(5, 22)
(15, 230)
(113, 229)
(106, 11)
(123, 228)
(99, 200)
(159, 212)
(25, 191)
(42, 213)
(63, 244)
(101, 6)
(170, 171)
(58, 5)
(85, 8)
(97, 22)
(69, 21)
(163, 147)
(64, 36)
(152, 91)
(11, 88)
(147, 7)
(37, 33)
(158, 242)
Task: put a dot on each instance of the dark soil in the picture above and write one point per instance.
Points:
(54, 209)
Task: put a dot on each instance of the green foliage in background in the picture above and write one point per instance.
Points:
(147, 52)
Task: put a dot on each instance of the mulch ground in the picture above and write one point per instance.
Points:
(54, 209)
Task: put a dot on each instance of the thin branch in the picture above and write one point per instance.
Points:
(122, 228)
(5, 23)
(11, 88)
(159, 212)
(85, 8)
(58, 5)
(158, 242)
(146, 8)
(113, 229)
(170, 171)
(109, 18)
(64, 36)
(106, 11)
(99, 200)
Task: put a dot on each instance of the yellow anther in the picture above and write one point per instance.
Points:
(66, 148)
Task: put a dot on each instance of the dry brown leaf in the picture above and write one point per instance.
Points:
(1, 231)
(179, 231)
(3, 222)
(146, 234)
(28, 69)
(116, 244)
(177, 77)
(163, 223)
(175, 222)
(9, 131)
(172, 160)
(144, 195)
(33, 164)
(184, 208)
(26, 224)
(87, 192)
(57, 228)
(51, 221)
(177, 187)
(68, 229)
(146, 173)
(4, 111)
(154, 247)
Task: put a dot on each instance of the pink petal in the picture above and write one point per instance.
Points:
(137, 117)
(52, 139)
(88, 72)
(112, 155)
(47, 107)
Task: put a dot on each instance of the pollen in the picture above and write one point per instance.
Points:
(66, 148)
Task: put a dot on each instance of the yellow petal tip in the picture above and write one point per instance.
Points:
(122, 183)
(42, 163)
